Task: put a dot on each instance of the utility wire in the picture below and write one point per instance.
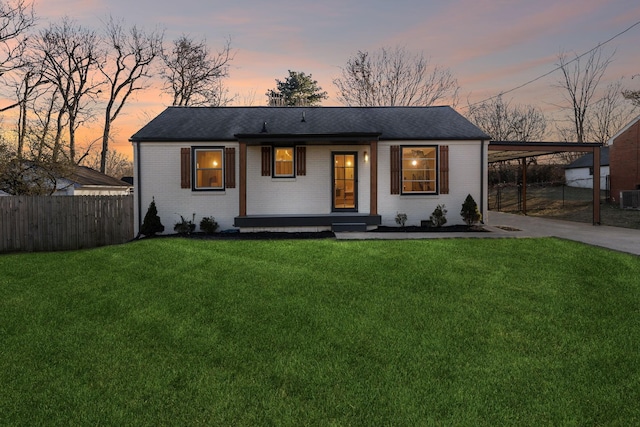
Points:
(555, 69)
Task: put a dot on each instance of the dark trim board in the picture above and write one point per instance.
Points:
(305, 220)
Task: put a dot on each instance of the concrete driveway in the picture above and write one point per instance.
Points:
(503, 225)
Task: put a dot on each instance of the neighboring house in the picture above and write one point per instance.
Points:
(85, 181)
(624, 159)
(580, 172)
(308, 168)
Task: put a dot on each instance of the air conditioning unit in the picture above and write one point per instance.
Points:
(630, 199)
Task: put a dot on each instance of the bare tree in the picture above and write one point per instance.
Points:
(129, 56)
(32, 176)
(632, 95)
(117, 164)
(28, 88)
(609, 114)
(248, 98)
(505, 122)
(394, 77)
(70, 55)
(16, 18)
(580, 78)
(193, 75)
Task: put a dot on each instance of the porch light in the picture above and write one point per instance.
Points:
(366, 157)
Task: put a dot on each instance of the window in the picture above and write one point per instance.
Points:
(283, 157)
(208, 169)
(419, 170)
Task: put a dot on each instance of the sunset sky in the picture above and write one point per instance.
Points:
(491, 46)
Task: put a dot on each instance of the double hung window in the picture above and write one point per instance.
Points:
(419, 170)
(283, 158)
(209, 169)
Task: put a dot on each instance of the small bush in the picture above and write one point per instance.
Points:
(401, 219)
(151, 224)
(438, 217)
(208, 225)
(183, 226)
(470, 213)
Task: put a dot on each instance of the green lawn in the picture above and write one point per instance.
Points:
(321, 332)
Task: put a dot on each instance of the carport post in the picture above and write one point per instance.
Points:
(524, 185)
(596, 185)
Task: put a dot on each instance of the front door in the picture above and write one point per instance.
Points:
(345, 189)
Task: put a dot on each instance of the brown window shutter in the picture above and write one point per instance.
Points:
(185, 167)
(266, 161)
(301, 160)
(444, 169)
(396, 169)
(230, 167)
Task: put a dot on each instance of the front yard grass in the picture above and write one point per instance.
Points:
(323, 332)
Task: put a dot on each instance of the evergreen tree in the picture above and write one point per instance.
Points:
(151, 224)
(298, 89)
(470, 212)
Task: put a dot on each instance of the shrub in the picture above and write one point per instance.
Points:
(151, 224)
(208, 225)
(401, 218)
(183, 226)
(470, 213)
(438, 217)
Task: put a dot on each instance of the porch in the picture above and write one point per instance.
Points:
(348, 221)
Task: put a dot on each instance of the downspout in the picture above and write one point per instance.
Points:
(138, 187)
(482, 168)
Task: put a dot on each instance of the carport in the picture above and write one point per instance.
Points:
(511, 150)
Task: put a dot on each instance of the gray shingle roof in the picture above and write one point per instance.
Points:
(86, 176)
(586, 161)
(225, 123)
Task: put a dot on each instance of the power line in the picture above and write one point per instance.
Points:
(555, 69)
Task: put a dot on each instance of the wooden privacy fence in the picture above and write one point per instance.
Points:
(54, 223)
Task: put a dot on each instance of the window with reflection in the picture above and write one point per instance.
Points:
(419, 170)
(283, 158)
(208, 169)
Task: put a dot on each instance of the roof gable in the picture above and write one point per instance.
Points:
(387, 123)
(633, 122)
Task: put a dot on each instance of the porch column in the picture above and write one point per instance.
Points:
(243, 180)
(373, 178)
(596, 186)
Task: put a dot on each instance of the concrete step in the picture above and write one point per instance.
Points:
(348, 226)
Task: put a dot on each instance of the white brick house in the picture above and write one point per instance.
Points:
(308, 168)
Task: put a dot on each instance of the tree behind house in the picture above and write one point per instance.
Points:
(298, 89)
(193, 75)
(394, 77)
